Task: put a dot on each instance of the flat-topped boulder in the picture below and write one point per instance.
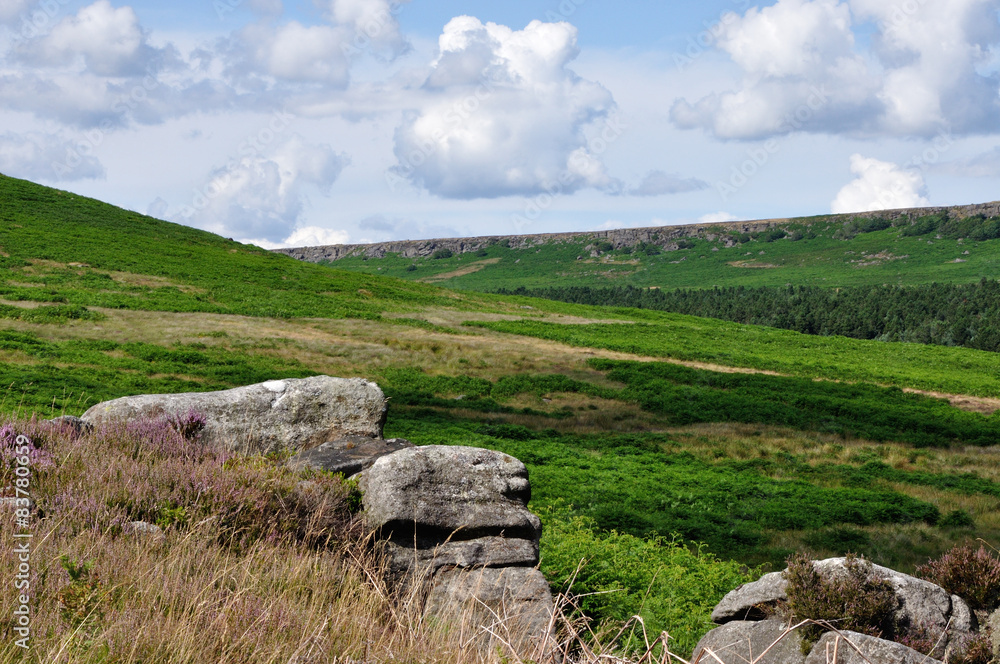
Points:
(452, 493)
(292, 414)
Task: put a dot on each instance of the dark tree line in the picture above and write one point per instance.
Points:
(946, 314)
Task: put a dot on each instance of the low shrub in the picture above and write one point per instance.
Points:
(972, 574)
(859, 601)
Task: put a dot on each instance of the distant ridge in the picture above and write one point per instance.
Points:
(663, 236)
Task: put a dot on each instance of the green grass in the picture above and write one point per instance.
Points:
(822, 260)
(630, 461)
(938, 368)
(64, 248)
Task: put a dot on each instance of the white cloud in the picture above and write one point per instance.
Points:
(109, 41)
(263, 196)
(291, 52)
(373, 25)
(38, 156)
(308, 236)
(880, 185)
(717, 217)
(659, 183)
(927, 67)
(505, 116)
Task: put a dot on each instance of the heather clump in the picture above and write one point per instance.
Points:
(859, 600)
(256, 563)
(967, 571)
(160, 471)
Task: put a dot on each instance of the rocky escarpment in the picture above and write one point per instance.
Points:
(665, 237)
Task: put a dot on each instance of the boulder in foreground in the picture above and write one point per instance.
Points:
(292, 414)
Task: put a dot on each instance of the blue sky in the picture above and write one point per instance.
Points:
(324, 121)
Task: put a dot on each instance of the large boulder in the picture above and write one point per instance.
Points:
(855, 648)
(293, 414)
(742, 641)
(920, 603)
(449, 493)
(456, 521)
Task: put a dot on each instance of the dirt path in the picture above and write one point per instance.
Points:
(460, 272)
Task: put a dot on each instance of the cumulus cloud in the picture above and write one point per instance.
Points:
(504, 115)
(263, 196)
(38, 156)
(307, 236)
(659, 183)
(372, 23)
(803, 70)
(880, 185)
(109, 41)
(291, 52)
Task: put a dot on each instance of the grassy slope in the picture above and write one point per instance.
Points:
(185, 310)
(59, 247)
(822, 261)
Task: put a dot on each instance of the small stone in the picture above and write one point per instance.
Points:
(144, 529)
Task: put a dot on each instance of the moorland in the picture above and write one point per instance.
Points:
(702, 451)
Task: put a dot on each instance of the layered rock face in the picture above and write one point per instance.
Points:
(293, 414)
(746, 616)
(457, 519)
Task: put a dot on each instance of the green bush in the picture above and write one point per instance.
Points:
(443, 253)
(672, 585)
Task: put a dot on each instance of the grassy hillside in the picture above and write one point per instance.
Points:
(644, 432)
(814, 252)
(57, 247)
